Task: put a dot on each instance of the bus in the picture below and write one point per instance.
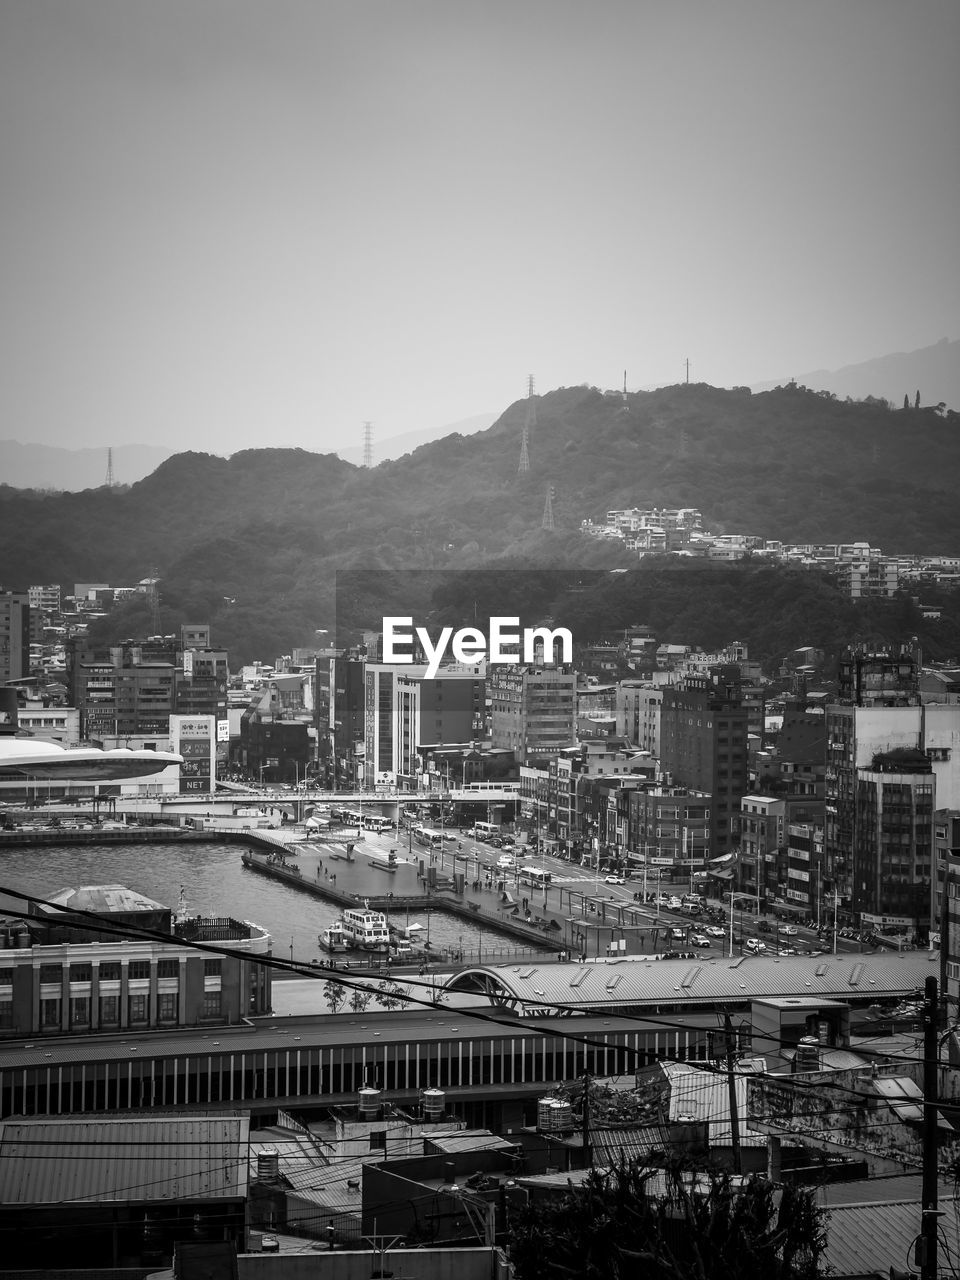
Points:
(377, 822)
(484, 831)
(429, 839)
(535, 877)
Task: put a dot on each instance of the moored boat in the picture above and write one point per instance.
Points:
(332, 939)
(365, 929)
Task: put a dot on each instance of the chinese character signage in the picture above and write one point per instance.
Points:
(195, 738)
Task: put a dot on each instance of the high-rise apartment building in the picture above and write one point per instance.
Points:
(894, 804)
(638, 714)
(403, 710)
(14, 635)
(533, 710)
(703, 746)
(878, 712)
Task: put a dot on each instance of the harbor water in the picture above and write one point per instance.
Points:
(215, 883)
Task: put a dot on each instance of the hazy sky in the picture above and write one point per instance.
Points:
(227, 224)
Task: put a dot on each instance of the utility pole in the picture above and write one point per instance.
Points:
(687, 364)
(585, 1127)
(732, 1092)
(926, 1257)
(368, 444)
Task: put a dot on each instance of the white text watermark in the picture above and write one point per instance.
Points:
(503, 642)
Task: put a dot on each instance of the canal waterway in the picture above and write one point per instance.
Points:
(215, 883)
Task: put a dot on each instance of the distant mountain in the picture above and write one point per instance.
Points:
(43, 466)
(253, 543)
(933, 371)
(396, 446)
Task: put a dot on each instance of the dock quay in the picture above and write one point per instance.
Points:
(283, 862)
(327, 867)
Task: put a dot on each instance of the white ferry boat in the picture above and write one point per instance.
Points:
(365, 929)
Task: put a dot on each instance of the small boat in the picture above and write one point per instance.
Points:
(332, 938)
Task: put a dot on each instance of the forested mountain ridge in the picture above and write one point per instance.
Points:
(250, 543)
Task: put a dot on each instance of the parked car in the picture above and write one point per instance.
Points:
(679, 935)
(270, 1244)
(614, 880)
(700, 940)
(755, 946)
(661, 900)
(674, 904)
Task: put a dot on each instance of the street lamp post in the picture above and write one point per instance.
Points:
(733, 897)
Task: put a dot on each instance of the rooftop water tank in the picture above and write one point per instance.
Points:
(554, 1116)
(807, 1056)
(268, 1165)
(434, 1104)
(368, 1103)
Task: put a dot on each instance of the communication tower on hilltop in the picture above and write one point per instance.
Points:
(368, 444)
(110, 481)
(529, 421)
(547, 521)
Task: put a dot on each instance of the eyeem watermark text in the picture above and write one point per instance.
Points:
(503, 642)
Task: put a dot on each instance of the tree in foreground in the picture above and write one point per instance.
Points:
(669, 1224)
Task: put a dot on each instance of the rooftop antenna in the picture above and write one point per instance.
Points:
(530, 420)
(110, 481)
(624, 384)
(687, 363)
(547, 521)
(368, 444)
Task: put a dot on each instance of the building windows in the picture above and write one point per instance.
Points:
(211, 1004)
(81, 972)
(137, 1008)
(168, 968)
(79, 1011)
(51, 973)
(138, 969)
(109, 971)
(109, 1011)
(212, 968)
(6, 1014)
(167, 1006)
(50, 1014)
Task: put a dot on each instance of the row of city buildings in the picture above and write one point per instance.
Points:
(862, 570)
(822, 795)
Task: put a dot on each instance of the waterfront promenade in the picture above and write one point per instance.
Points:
(575, 915)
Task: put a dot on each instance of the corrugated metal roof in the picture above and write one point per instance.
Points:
(649, 981)
(704, 1097)
(330, 1187)
(903, 1095)
(610, 1146)
(471, 1140)
(143, 1158)
(296, 1152)
(875, 1237)
(907, 1186)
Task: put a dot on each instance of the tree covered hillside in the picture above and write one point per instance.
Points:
(252, 543)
